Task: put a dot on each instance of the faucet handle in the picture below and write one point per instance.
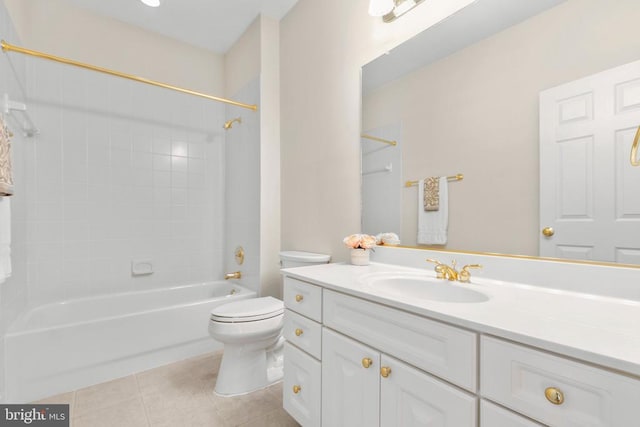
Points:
(465, 275)
(439, 268)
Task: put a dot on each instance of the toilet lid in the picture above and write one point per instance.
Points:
(248, 310)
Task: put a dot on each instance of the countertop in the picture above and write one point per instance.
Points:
(601, 330)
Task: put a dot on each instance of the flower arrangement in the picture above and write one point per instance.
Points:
(360, 241)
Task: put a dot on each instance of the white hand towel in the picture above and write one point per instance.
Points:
(5, 238)
(432, 225)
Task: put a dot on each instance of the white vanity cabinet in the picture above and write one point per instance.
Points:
(555, 390)
(366, 388)
(301, 395)
(357, 360)
(365, 384)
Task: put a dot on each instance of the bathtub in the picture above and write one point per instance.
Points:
(64, 346)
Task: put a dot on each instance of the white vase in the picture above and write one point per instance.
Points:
(360, 256)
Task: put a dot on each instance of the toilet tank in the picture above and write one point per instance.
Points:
(290, 259)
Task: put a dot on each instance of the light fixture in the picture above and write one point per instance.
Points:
(380, 7)
(390, 10)
(151, 3)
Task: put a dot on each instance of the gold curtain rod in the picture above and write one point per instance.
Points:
(11, 48)
(458, 177)
(375, 138)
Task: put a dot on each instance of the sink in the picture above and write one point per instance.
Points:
(421, 286)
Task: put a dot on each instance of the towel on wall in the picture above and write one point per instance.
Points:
(431, 193)
(432, 225)
(6, 177)
(5, 238)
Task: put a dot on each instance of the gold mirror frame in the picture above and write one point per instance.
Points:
(513, 256)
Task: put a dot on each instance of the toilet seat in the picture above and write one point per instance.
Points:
(249, 310)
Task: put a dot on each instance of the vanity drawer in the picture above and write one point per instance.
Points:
(303, 333)
(303, 298)
(495, 416)
(443, 350)
(301, 392)
(517, 377)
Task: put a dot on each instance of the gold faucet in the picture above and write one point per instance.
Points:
(234, 275)
(443, 271)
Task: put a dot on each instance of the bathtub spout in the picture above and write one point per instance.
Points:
(234, 275)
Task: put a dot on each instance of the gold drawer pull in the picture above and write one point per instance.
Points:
(385, 371)
(548, 231)
(554, 395)
(367, 362)
(299, 298)
(296, 389)
(299, 332)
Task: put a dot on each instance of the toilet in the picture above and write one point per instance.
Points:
(251, 331)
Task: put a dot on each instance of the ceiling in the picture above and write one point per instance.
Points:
(210, 24)
(473, 23)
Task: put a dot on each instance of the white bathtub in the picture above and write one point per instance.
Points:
(64, 346)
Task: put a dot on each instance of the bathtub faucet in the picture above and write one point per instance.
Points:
(234, 275)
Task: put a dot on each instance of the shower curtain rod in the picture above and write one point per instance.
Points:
(375, 138)
(6, 47)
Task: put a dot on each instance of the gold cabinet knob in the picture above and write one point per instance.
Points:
(296, 389)
(299, 332)
(548, 231)
(385, 371)
(554, 395)
(299, 298)
(367, 362)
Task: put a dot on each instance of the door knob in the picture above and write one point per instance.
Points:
(385, 371)
(296, 389)
(548, 231)
(366, 362)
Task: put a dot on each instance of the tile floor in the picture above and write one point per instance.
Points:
(179, 394)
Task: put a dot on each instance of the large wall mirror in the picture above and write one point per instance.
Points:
(464, 97)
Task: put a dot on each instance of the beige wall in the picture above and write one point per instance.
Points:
(323, 45)
(270, 158)
(257, 53)
(476, 112)
(60, 28)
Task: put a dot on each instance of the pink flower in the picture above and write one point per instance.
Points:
(360, 241)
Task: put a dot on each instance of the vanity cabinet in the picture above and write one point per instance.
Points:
(363, 387)
(364, 361)
(555, 390)
(302, 352)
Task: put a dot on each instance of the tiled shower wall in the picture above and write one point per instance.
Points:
(13, 293)
(120, 172)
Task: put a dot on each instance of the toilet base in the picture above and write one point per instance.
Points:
(243, 371)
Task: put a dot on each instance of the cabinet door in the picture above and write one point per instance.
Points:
(301, 386)
(350, 389)
(409, 397)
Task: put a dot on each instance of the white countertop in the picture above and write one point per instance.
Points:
(597, 329)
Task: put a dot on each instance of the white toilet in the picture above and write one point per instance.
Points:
(251, 331)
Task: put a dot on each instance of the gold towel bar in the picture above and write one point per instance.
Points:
(8, 47)
(375, 138)
(635, 160)
(458, 177)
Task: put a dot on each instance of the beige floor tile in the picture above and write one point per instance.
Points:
(239, 410)
(129, 413)
(187, 375)
(276, 418)
(64, 399)
(104, 395)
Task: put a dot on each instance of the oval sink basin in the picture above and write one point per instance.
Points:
(407, 285)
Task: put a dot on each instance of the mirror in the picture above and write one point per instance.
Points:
(463, 98)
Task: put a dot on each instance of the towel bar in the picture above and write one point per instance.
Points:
(458, 177)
